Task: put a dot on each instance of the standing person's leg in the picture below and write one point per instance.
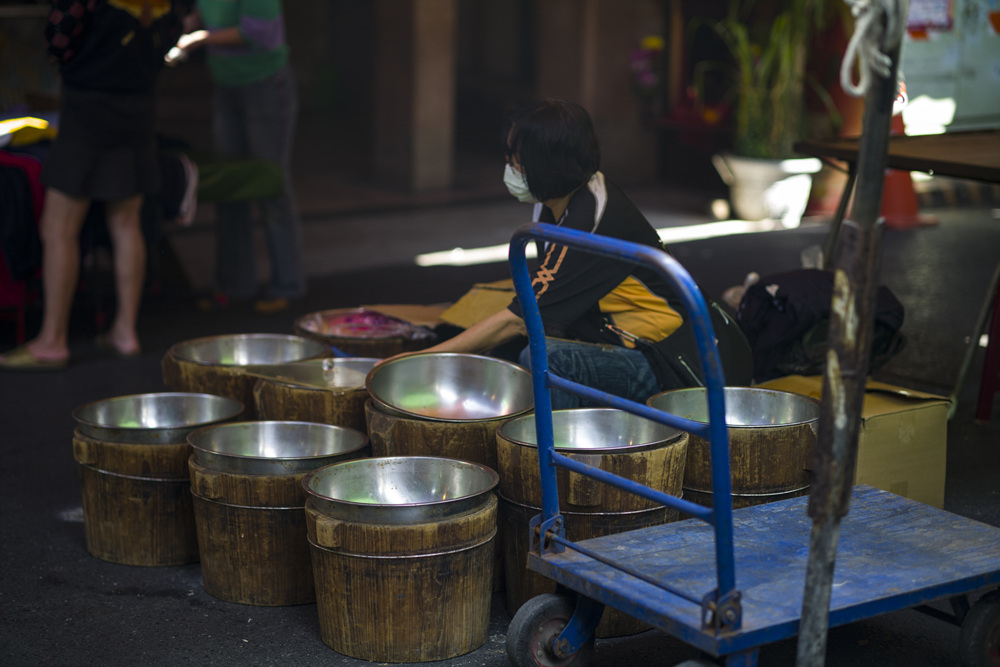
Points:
(125, 227)
(235, 272)
(271, 115)
(62, 219)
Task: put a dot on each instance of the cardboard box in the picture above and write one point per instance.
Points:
(903, 441)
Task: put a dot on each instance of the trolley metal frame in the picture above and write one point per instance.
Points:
(682, 577)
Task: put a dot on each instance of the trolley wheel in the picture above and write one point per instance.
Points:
(533, 627)
(980, 636)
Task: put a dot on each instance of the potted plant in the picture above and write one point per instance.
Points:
(766, 80)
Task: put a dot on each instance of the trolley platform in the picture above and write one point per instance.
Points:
(893, 553)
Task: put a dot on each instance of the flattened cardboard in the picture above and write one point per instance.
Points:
(903, 441)
(483, 300)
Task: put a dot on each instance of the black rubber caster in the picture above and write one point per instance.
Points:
(532, 629)
(979, 641)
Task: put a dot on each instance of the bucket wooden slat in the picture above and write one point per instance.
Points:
(289, 402)
(395, 435)
(254, 555)
(659, 467)
(136, 502)
(590, 508)
(229, 381)
(404, 593)
(252, 534)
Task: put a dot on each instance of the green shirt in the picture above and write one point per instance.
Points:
(262, 25)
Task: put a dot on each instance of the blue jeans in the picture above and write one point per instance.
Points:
(258, 121)
(608, 368)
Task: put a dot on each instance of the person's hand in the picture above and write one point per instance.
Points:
(185, 45)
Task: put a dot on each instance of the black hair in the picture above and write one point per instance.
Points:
(555, 145)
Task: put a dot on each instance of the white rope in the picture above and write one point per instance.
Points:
(866, 40)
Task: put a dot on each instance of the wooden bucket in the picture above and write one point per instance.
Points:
(396, 435)
(136, 502)
(214, 365)
(132, 457)
(772, 437)
(414, 591)
(371, 344)
(248, 506)
(618, 442)
(277, 399)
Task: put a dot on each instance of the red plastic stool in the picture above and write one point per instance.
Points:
(989, 385)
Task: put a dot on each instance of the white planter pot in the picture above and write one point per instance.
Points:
(762, 189)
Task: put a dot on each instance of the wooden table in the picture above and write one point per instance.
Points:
(971, 155)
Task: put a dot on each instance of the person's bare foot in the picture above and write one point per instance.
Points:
(122, 345)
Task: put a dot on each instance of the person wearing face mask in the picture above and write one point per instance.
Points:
(607, 322)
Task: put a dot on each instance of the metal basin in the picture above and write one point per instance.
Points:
(746, 407)
(450, 387)
(161, 418)
(333, 373)
(363, 332)
(399, 490)
(593, 430)
(274, 447)
(248, 349)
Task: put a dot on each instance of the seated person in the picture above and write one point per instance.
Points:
(606, 321)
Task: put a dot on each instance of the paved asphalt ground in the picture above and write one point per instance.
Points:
(61, 606)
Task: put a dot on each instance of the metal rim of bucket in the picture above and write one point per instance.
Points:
(300, 325)
(671, 434)
(653, 401)
(398, 513)
(589, 515)
(383, 405)
(150, 434)
(743, 494)
(249, 464)
(177, 350)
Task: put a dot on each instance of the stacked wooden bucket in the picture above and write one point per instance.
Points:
(396, 496)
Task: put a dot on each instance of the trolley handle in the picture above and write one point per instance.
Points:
(687, 289)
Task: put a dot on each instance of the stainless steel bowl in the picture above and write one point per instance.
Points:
(450, 387)
(596, 430)
(273, 447)
(399, 490)
(247, 349)
(161, 418)
(746, 407)
(334, 373)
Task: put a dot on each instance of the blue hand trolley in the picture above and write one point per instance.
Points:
(727, 582)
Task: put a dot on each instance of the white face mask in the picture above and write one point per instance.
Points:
(517, 185)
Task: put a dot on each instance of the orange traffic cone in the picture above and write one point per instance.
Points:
(899, 200)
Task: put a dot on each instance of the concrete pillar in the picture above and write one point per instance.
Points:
(583, 55)
(415, 42)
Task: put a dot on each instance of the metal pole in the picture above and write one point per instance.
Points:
(856, 269)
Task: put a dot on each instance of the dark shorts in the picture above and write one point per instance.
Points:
(106, 146)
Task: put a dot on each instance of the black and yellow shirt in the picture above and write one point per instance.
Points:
(579, 292)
